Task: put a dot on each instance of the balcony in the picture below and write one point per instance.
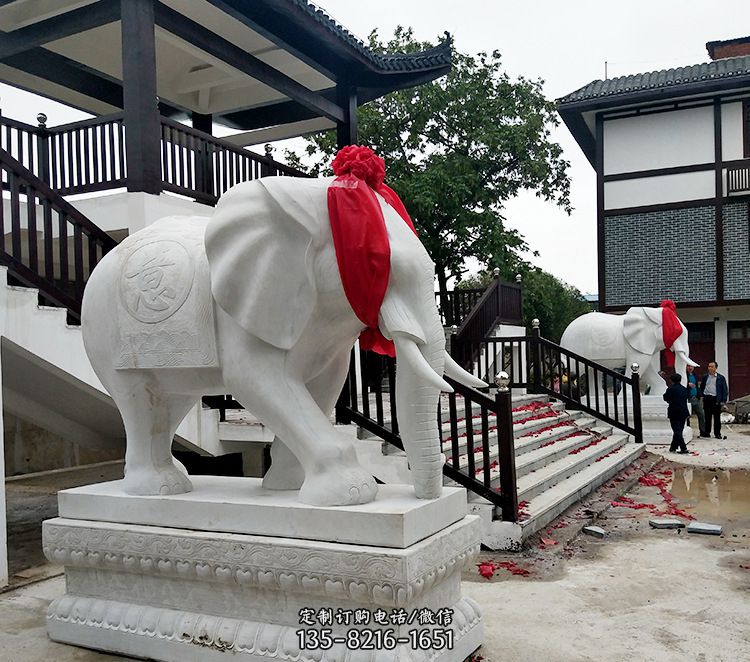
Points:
(89, 156)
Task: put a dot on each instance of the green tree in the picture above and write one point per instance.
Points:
(455, 150)
(545, 297)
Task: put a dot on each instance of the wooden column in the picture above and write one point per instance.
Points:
(346, 131)
(142, 123)
(202, 122)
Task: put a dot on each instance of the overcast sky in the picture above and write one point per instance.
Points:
(564, 43)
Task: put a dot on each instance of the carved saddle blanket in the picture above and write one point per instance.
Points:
(164, 307)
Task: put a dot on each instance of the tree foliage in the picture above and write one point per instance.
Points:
(455, 150)
(554, 303)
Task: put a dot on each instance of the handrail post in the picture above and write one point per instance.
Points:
(265, 168)
(536, 363)
(344, 401)
(506, 449)
(637, 403)
(42, 148)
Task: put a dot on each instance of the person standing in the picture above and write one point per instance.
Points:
(715, 393)
(696, 403)
(677, 412)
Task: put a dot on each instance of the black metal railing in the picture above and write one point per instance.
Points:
(47, 243)
(368, 400)
(541, 366)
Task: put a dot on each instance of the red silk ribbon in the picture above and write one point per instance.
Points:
(360, 238)
(671, 329)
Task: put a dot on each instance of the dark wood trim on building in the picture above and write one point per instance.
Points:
(683, 304)
(666, 206)
(141, 113)
(719, 177)
(600, 245)
(659, 172)
(746, 128)
(218, 47)
(58, 27)
(658, 108)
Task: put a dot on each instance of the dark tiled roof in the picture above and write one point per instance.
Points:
(666, 78)
(439, 56)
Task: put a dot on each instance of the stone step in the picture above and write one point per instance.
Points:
(548, 505)
(545, 456)
(537, 438)
(536, 482)
(518, 429)
(534, 446)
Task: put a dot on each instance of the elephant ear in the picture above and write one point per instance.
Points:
(260, 244)
(642, 329)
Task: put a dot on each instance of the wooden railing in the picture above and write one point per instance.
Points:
(203, 167)
(368, 400)
(455, 305)
(90, 155)
(80, 157)
(501, 302)
(47, 243)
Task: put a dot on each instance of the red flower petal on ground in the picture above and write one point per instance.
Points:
(486, 569)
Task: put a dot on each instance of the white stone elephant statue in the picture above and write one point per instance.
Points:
(638, 336)
(251, 302)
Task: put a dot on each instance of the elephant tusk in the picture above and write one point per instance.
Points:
(407, 351)
(455, 371)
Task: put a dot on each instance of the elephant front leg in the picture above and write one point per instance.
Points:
(333, 476)
(286, 471)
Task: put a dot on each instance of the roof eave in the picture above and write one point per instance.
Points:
(572, 111)
(670, 93)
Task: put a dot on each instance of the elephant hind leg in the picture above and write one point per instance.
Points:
(151, 418)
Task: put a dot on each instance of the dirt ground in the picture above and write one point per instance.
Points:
(637, 594)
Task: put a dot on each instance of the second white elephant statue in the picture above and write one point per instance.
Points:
(639, 336)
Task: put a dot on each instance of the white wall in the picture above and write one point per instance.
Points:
(659, 140)
(659, 190)
(731, 131)
(136, 210)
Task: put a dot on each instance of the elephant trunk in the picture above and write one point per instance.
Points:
(681, 361)
(417, 401)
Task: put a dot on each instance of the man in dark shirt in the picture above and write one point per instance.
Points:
(677, 412)
(715, 393)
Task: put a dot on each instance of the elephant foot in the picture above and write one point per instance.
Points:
(151, 481)
(339, 487)
(279, 477)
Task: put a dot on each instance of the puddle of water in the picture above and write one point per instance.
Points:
(713, 493)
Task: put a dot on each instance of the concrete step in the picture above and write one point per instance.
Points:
(536, 482)
(547, 455)
(541, 437)
(548, 505)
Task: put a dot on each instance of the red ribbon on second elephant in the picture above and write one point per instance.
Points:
(671, 329)
(360, 238)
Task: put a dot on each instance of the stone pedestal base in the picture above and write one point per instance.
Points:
(183, 595)
(656, 427)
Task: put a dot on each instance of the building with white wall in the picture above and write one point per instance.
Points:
(671, 150)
